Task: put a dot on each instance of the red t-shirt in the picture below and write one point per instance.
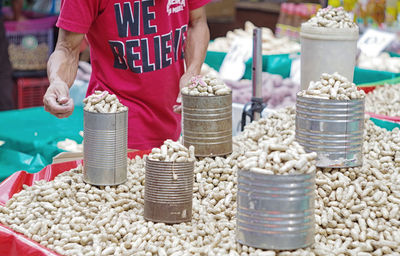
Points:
(136, 50)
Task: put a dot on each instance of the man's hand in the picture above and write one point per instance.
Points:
(61, 70)
(184, 81)
(57, 101)
(198, 36)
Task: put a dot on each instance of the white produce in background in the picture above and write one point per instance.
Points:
(84, 71)
(383, 62)
(276, 91)
(384, 100)
(270, 43)
(71, 145)
(206, 70)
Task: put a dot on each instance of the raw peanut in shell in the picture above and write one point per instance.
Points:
(206, 86)
(172, 151)
(103, 102)
(332, 18)
(384, 100)
(334, 87)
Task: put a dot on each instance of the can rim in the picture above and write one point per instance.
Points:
(213, 96)
(168, 162)
(314, 100)
(302, 176)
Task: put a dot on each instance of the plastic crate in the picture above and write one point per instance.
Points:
(30, 42)
(30, 91)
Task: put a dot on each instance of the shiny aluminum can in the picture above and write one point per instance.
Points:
(334, 129)
(105, 148)
(275, 212)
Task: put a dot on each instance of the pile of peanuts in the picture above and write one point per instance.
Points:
(332, 18)
(273, 151)
(172, 151)
(384, 100)
(206, 86)
(103, 102)
(334, 87)
(383, 62)
(356, 209)
(276, 157)
(71, 145)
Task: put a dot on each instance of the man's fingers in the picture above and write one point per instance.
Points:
(57, 101)
(63, 115)
(54, 107)
(179, 99)
(62, 100)
(177, 109)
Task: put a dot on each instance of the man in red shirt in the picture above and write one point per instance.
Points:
(138, 52)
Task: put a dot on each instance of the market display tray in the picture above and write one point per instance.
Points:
(13, 243)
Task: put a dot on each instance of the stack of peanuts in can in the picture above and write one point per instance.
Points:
(332, 86)
(172, 151)
(103, 102)
(206, 86)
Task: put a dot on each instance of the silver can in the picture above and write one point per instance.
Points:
(168, 191)
(275, 212)
(334, 129)
(207, 124)
(105, 148)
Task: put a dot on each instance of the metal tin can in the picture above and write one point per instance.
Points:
(105, 147)
(168, 191)
(207, 124)
(334, 129)
(275, 212)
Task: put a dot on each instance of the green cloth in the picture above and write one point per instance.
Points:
(395, 80)
(31, 137)
(215, 59)
(363, 76)
(394, 54)
(279, 64)
(366, 76)
(385, 124)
